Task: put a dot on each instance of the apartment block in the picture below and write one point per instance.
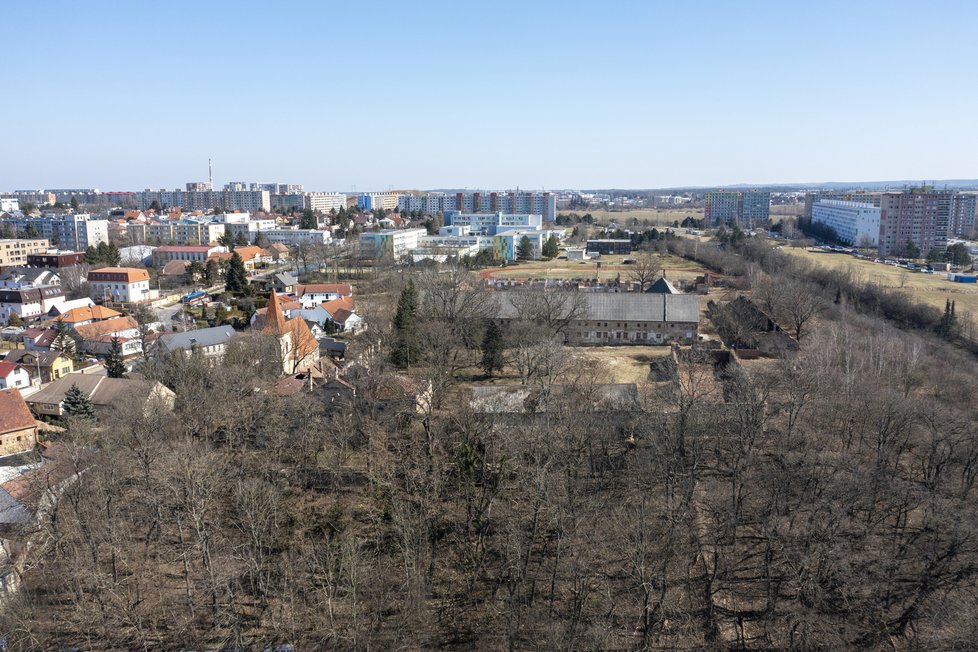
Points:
(921, 216)
(492, 223)
(67, 230)
(390, 243)
(743, 208)
(963, 211)
(372, 201)
(538, 203)
(15, 252)
(855, 223)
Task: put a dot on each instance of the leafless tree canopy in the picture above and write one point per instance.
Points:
(822, 502)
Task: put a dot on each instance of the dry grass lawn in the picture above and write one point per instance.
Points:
(933, 289)
(611, 267)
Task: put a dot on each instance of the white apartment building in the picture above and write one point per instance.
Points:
(855, 223)
(129, 284)
(297, 236)
(9, 204)
(492, 223)
(317, 201)
(390, 243)
(249, 228)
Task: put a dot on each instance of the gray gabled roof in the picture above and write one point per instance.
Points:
(286, 279)
(189, 339)
(662, 286)
(622, 306)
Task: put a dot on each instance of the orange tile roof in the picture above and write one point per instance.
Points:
(344, 303)
(102, 328)
(86, 313)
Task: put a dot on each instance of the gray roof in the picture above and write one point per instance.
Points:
(286, 279)
(100, 390)
(622, 306)
(189, 339)
(662, 286)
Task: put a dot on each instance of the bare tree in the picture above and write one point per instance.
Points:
(645, 271)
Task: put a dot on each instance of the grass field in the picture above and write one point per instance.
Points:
(654, 216)
(611, 266)
(624, 364)
(933, 289)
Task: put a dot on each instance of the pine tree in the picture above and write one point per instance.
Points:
(407, 349)
(114, 365)
(492, 349)
(550, 248)
(76, 404)
(112, 255)
(240, 240)
(524, 251)
(63, 341)
(220, 314)
(237, 278)
(308, 220)
(212, 271)
(74, 203)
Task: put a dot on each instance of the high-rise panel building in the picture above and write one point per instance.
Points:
(477, 201)
(963, 210)
(920, 217)
(743, 208)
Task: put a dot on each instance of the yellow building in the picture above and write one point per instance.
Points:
(15, 252)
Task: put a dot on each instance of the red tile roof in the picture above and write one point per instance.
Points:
(14, 413)
(342, 289)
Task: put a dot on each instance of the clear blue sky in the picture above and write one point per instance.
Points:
(127, 95)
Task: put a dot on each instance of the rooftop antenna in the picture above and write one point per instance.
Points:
(210, 174)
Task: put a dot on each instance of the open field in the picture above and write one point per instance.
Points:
(653, 216)
(611, 266)
(933, 289)
(624, 364)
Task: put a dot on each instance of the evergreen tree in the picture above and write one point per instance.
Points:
(155, 206)
(195, 272)
(308, 220)
(63, 341)
(74, 203)
(225, 240)
(114, 365)
(237, 278)
(76, 404)
(407, 348)
(91, 255)
(15, 319)
(240, 240)
(524, 251)
(212, 271)
(551, 248)
(492, 349)
(220, 315)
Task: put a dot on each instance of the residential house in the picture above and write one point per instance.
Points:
(175, 269)
(210, 343)
(18, 429)
(277, 252)
(314, 294)
(102, 391)
(252, 256)
(96, 338)
(13, 375)
(37, 339)
(127, 284)
(84, 315)
(26, 278)
(51, 364)
(285, 282)
(61, 307)
(662, 286)
(30, 303)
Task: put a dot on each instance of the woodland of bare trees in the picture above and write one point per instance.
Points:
(826, 501)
